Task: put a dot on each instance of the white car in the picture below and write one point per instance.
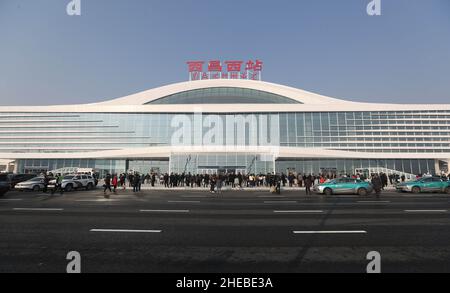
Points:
(71, 182)
(34, 184)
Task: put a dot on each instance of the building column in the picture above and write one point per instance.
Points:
(16, 166)
(438, 169)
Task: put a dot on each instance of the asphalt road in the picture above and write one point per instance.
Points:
(237, 231)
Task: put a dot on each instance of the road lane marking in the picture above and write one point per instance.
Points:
(183, 201)
(300, 211)
(373, 201)
(36, 209)
(331, 232)
(193, 196)
(97, 200)
(11, 199)
(280, 201)
(164, 211)
(425, 211)
(125, 231)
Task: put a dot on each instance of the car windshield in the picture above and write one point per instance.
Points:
(68, 177)
(35, 179)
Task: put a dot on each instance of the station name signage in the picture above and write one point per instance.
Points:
(215, 69)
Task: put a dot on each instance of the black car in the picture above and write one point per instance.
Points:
(17, 178)
(8, 181)
(4, 184)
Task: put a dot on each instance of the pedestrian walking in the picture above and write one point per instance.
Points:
(122, 181)
(136, 182)
(115, 182)
(212, 184)
(58, 184)
(46, 181)
(219, 183)
(308, 184)
(377, 184)
(107, 185)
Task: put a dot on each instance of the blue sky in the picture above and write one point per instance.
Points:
(119, 47)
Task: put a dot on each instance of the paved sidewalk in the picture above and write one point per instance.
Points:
(226, 188)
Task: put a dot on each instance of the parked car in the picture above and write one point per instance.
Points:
(5, 184)
(71, 182)
(10, 180)
(425, 184)
(344, 186)
(18, 178)
(34, 184)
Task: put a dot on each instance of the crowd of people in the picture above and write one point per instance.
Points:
(215, 182)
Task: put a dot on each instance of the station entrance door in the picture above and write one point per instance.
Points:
(221, 170)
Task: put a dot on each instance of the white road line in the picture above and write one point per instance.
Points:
(164, 211)
(11, 199)
(97, 200)
(36, 209)
(183, 201)
(331, 232)
(373, 201)
(300, 211)
(425, 211)
(125, 231)
(280, 201)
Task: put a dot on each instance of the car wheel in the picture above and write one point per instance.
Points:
(328, 191)
(89, 186)
(36, 188)
(362, 192)
(415, 189)
(69, 187)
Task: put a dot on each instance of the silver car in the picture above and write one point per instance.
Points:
(35, 184)
(77, 181)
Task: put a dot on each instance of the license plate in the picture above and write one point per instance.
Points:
(50, 186)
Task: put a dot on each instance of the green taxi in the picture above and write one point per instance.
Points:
(425, 184)
(344, 186)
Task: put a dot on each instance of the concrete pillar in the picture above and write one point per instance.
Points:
(12, 166)
(436, 167)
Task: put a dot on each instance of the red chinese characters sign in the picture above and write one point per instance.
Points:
(225, 70)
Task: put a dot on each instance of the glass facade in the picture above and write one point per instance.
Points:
(352, 166)
(361, 132)
(383, 132)
(233, 162)
(221, 162)
(224, 95)
(102, 166)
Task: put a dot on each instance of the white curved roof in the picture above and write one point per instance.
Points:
(301, 96)
(310, 102)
